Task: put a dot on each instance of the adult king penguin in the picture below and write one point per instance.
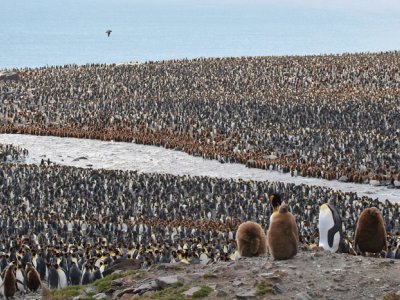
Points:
(330, 228)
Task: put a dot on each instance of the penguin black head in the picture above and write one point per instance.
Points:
(275, 200)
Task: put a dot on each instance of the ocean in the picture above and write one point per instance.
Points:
(47, 32)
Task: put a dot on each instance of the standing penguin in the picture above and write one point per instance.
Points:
(62, 277)
(370, 234)
(52, 277)
(251, 239)
(282, 235)
(87, 276)
(41, 266)
(97, 273)
(10, 282)
(74, 274)
(330, 228)
(32, 277)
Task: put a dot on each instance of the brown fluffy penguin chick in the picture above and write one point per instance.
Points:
(370, 235)
(282, 235)
(10, 282)
(251, 239)
(32, 277)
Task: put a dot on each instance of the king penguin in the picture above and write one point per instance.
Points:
(370, 235)
(282, 235)
(62, 277)
(330, 228)
(52, 277)
(9, 282)
(251, 239)
(276, 201)
(32, 277)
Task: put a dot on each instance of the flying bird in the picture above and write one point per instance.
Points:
(108, 32)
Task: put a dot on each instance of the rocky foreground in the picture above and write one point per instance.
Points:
(310, 275)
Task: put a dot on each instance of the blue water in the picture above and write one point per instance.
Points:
(56, 32)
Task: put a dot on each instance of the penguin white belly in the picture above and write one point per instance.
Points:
(102, 268)
(83, 273)
(204, 259)
(329, 235)
(1, 287)
(20, 281)
(336, 242)
(62, 279)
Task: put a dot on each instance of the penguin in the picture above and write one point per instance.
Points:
(87, 276)
(276, 201)
(20, 277)
(97, 274)
(41, 267)
(251, 239)
(32, 277)
(370, 234)
(52, 277)
(74, 274)
(10, 282)
(282, 235)
(330, 228)
(62, 277)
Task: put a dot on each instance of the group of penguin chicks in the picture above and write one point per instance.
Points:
(282, 237)
(13, 277)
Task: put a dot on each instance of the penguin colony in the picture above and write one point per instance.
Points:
(64, 225)
(332, 117)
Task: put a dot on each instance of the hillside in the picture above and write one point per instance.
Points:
(309, 275)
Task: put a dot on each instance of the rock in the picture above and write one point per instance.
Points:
(117, 282)
(246, 295)
(190, 292)
(302, 296)
(100, 296)
(168, 280)
(237, 283)
(123, 264)
(148, 286)
(277, 289)
(127, 297)
(90, 290)
(119, 293)
(221, 294)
